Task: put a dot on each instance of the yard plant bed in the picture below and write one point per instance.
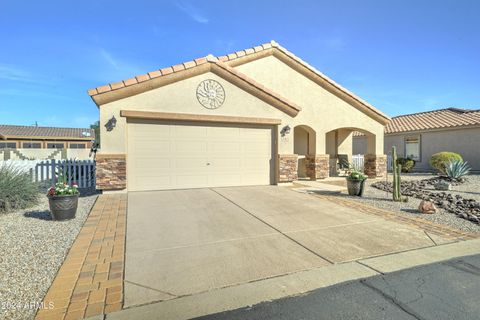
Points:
(464, 208)
(469, 189)
(32, 249)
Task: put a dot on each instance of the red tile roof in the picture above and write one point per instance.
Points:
(436, 119)
(227, 58)
(12, 131)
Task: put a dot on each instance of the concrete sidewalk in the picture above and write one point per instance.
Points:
(247, 294)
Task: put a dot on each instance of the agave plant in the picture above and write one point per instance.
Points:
(456, 169)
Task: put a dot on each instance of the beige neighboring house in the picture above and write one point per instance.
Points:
(35, 142)
(420, 135)
(254, 117)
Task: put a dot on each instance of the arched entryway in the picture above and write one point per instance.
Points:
(305, 147)
(339, 147)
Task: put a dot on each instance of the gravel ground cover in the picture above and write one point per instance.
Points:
(32, 249)
(381, 199)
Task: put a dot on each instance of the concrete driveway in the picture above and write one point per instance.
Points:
(183, 242)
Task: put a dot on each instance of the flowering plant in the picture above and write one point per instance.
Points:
(356, 175)
(62, 189)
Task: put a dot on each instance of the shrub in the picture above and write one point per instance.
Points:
(440, 160)
(406, 163)
(457, 169)
(17, 191)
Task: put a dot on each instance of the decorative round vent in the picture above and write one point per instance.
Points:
(210, 94)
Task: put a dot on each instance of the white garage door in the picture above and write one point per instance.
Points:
(175, 155)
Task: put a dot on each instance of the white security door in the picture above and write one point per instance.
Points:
(178, 155)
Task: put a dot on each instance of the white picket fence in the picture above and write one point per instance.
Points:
(358, 162)
(389, 163)
(81, 172)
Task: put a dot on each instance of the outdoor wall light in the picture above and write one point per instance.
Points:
(111, 124)
(285, 130)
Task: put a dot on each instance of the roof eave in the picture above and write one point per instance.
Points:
(211, 65)
(313, 74)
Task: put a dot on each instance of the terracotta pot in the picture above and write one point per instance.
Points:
(63, 207)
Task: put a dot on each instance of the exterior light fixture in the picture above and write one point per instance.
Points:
(111, 124)
(285, 130)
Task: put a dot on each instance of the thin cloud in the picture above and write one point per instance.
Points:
(109, 58)
(12, 73)
(116, 67)
(335, 43)
(193, 12)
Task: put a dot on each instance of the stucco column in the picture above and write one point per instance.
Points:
(344, 142)
(287, 168)
(317, 166)
(375, 165)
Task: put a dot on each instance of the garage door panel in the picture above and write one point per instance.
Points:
(145, 146)
(187, 132)
(152, 164)
(226, 147)
(173, 155)
(256, 149)
(224, 133)
(226, 164)
(190, 146)
(191, 163)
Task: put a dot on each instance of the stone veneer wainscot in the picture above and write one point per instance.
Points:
(287, 167)
(375, 166)
(111, 171)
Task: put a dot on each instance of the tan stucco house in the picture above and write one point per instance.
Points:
(420, 135)
(254, 117)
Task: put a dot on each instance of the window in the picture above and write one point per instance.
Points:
(55, 145)
(77, 146)
(11, 145)
(32, 145)
(412, 148)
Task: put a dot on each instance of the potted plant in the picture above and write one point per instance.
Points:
(63, 200)
(356, 183)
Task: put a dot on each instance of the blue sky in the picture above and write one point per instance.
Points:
(401, 56)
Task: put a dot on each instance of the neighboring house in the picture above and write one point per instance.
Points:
(420, 135)
(34, 142)
(254, 117)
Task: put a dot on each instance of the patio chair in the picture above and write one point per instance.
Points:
(342, 164)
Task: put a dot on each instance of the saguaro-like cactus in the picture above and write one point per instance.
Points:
(397, 192)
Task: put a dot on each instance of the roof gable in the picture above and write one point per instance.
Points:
(151, 80)
(127, 88)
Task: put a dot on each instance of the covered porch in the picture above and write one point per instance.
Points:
(319, 154)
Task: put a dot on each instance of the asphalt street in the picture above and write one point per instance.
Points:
(446, 290)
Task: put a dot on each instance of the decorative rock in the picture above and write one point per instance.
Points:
(427, 207)
(422, 189)
(443, 185)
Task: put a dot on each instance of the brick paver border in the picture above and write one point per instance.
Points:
(426, 225)
(90, 281)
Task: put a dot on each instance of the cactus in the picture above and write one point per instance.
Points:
(397, 169)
